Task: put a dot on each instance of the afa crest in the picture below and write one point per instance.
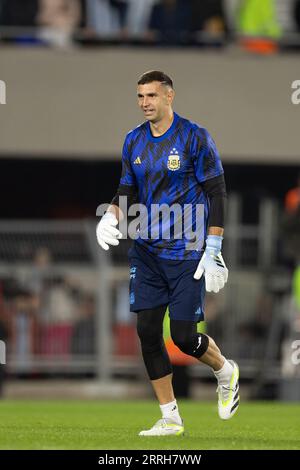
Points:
(173, 160)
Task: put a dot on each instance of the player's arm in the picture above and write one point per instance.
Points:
(212, 264)
(107, 232)
(124, 190)
(215, 189)
(211, 177)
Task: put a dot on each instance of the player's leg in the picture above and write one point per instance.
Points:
(186, 308)
(213, 357)
(159, 369)
(227, 375)
(203, 348)
(149, 296)
(155, 356)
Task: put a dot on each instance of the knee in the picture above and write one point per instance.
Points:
(183, 334)
(182, 339)
(189, 341)
(183, 344)
(195, 346)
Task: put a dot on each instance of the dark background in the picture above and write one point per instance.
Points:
(48, 188)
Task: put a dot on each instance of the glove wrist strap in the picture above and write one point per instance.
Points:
(109, 215)
(214, 244)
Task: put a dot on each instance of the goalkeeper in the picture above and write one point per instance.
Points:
(171, 160)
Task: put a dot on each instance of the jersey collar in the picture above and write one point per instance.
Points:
(166, 134)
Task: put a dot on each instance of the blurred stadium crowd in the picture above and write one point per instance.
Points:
(46, 313)
(66, 22)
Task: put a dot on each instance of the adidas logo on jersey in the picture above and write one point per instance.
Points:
(137, 161)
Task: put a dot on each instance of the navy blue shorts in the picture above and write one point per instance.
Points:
(156, 281)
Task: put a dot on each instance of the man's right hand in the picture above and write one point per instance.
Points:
(106, 231)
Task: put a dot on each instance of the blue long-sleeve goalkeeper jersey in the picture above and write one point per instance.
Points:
(169, 170)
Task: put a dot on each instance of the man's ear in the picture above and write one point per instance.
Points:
(171, 95)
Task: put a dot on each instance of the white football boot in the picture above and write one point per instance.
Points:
(164, 427)
(228, 395)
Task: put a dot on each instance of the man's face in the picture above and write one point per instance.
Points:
(155, 100)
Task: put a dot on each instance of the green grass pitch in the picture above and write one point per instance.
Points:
(115, 424)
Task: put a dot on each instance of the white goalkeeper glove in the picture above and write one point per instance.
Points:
(212, 265)
(106, 231)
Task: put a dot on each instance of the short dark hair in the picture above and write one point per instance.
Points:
(155, 76)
